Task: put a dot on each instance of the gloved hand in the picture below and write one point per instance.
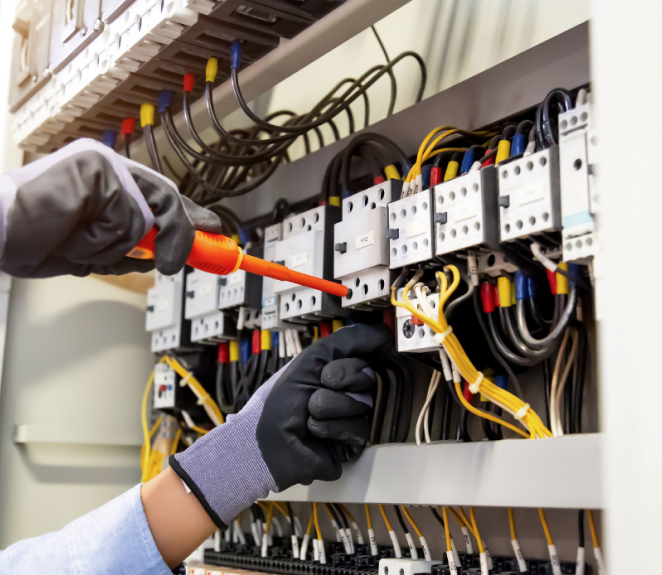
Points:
(298, 427)
(81, 209)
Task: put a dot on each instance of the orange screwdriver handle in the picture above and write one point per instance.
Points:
(221, 255)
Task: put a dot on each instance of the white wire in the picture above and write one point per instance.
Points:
(556, 406)
(555, 380)
(419, 422)
(432, 392)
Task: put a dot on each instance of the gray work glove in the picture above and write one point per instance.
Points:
(81, 209)
(300, 426)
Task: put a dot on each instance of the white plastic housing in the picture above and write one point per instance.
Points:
(530, 185)
(412, 217)
(414, 338)
(405, 566)
(164, 386)
(202, 291)
(164, 311)
(233, 290)
(577, 150)
(366, 286)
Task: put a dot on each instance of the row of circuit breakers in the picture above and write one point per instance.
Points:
(79, 67)
(373, 234)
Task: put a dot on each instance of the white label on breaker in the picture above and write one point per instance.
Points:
(162, 305)
(205, 289)
(364, 240)
(416, 228)
(234, 279)
(465, 211)
(299, 259)
(531, 194)
(164, 378)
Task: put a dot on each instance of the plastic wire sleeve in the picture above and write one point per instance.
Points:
(225, 469)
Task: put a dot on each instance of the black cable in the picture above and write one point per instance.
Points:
(547, 388)
(148, 134)
(397, 410)
(446, 413)
(579, 377)
(394, 83)
(291, 515)
(341, 515)
(487, 424)
(168, 165)
(127, 145)
(401, 520)
(580, 526)
(438, 518)
(462, 426)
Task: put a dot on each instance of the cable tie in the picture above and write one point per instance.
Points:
(475, 387)
(440, 337)
(521, 412)
(185, 379)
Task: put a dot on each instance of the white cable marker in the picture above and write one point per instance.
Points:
(241, 318)
(452, 565)
(304, 547)
(295, 547)
(335, 527)
(258, 524)
(426, 550)
(348, 534)
(256, 537)
(374, 550)
(599, 561)
(217, 539)
(484, 569)
(297, 341)
(490, 564)
(472, 268)
(396, 545)
(265, 545)
(530, 149)
(298, 529)
(270, 538)
(412, 547)
(580, 566)
(419, 183)
(357, 531)
(521, 563)
(475, 387)
(455, 553)
(322, 551)
(467, 540)
(445, 365)
(281, 344)
(240, 532)
(554, 559)
(279, 527)
(405, 190)
(457, 376)
(316, 550)
(345, 542)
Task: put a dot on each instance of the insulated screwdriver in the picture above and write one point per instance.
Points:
(220, 255)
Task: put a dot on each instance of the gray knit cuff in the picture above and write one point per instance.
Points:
(225, 469)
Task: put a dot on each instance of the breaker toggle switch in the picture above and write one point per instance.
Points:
(504, 201)
(341, 248)
(441, 218)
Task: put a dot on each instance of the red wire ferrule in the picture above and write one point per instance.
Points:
(127, 126)
(325, 329)
(378, 180)
(224, 352)
(467, 394)
(487, 297)
(551, 278)
(189, 80)
(435, 176)
(257, 341)
(495, 295)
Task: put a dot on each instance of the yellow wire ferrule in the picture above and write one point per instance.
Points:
(392, 173)
(234, 350)
(503, 151)
(146, 115)
(212, 69)
(336, 324)
(562, 281)
(265, 340)
(505, 295)
(334, 201)
(451, 170)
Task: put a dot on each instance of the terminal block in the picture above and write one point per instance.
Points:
(465, 212)
(410, 230)
(241, 289)
(579, 194)
(165, 317)
(529, 196)
(361, 248)
(208, 324)
(413, 334)
(164, 386)
(405, 566)
(307, 246)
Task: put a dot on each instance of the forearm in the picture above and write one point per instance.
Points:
(176, 519)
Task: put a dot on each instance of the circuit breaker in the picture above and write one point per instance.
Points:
(465, 212)
(307, 247)
(413, 334)
(165, 318)
(579, 195)
(410, 230)
(165, 382)
(208, 323)
(361, 247)
(529, 195)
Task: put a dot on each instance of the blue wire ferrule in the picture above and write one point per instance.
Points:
(501, 381)
(518, 146)
(235, 54)
(425, 173)
(345, 194)
(467, 161)
(574, 274)
(109, 138)
(165, 100)
(274, 339)
(246, 350)
(244, 238)
(521, 287)
(531, 286)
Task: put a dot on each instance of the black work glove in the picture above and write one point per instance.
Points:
(81, 209)
(310, 423)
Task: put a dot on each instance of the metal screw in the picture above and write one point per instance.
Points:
(83, 31)
(48, 73)
(99, 25)
(35, 78)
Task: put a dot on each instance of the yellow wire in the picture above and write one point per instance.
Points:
(310, 524)
(175, 443)
(197, 429)
(447, 530)
(317, 522)
(383, 512)
(511, 519)
(368, 516)
(346, 512)
(594, 532)
(543, 520)
(460, 522)
(270, 514)
(476, 532)
(465, 520)
(328, 510)
(281, 507)
(413, 523)
(146, 443)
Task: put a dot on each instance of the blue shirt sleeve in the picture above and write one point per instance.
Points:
(112, 539)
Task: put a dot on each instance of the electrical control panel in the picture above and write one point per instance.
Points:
(361, 247)
(164, 386)
(530, 196)
(465, 212)
(410, 230)
(208, 324)
(307, 247)
(165, 317)
(579, 195)
(413, 335)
